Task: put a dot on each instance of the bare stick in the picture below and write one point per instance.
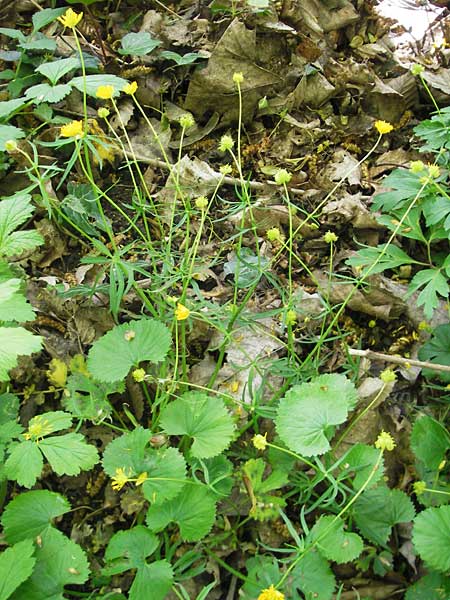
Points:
(398, 360)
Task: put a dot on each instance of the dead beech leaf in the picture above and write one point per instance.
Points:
(212, 89)
(350, 209)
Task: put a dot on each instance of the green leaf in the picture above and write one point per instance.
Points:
(431, 537)
(16, 565)
(58, 68)
(138, 44)
(87, 399)
(125, 346)
(9, 106)
(433, 586)
(333, 542)
(9, 132)
(14, 211)
(314, 577)
(378, 259)
(437, 350)
(128, 549)
(201, 417)
(13, 304)
(157, 577)
(15, 342)
(69, 454)
(360, 461)
(377, 510)
(308, 413)
(93, 82)
(186, 59)
(254, 470)
(194, 510)
(406, 186)
(166, 470)
(9, 407)
(246, 267)
(429, 441)
(59, 562)
(43, 92)
(44, 17)
(38, 42)
(410, 227)
(50, 422)
(262, 571)
(31, 513)
(434, 284)
(24, 464)
(165, 467)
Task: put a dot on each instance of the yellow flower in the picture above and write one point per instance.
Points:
(201, 202)
(141, 478)
(138, 375)
(260, 441)
(38, 428)
(181, 312)
(385, 441)
(70, 18)
(238, 77)
(73, 129)
(119, 480)
(130, 88)
(330, 237)
(271, 594)
(419, 487)
(282, 176)
(291, 317)
(383, 127)
(226, 143)
(388, 376)
(105, 92)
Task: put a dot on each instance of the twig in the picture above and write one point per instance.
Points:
(398, 360)
(254, 185)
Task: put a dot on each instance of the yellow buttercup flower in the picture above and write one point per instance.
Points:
(260, 441)
(130, 88)
(385, 441)
(70, 18)
(105, 92)
(383, 127)
(271, 594)
(119, 480)
(73, 129)
(181, 312)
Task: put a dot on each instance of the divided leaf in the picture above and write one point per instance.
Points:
(437, 350)
(16, 565)
(125, 346)
(14, 211)
(429, 441)
(24, 464)
(194, 510)
(431, 537)
(31, 513)
(377, 510)
(15, 342)
(333, 542)
(308, 413)
(69, 454)
(201, 417)
(59, 562)
(314, 577)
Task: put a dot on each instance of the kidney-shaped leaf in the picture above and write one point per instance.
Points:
(308, 413)
(201, 417)
(125, 346)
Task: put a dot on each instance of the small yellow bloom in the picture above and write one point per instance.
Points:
(38, 428)
(282, 176)
(141, 478)
(260, 441)
(201, 202)
(72, 129)
(70, 18)
(226, 169)
(138, 375)
(419, 487)
(119, 480)
(226, 143)
(383, 127)
(388, 376)
(385, 441)
(330, 237)
(186, 121)
(274, 235)
(10, 146)
(238, 77)
(271, 594)
(130, 88)
(103, 112)
(181, 312)
(105, 92)
(291, 317)
(416, 166)
(433, 171)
